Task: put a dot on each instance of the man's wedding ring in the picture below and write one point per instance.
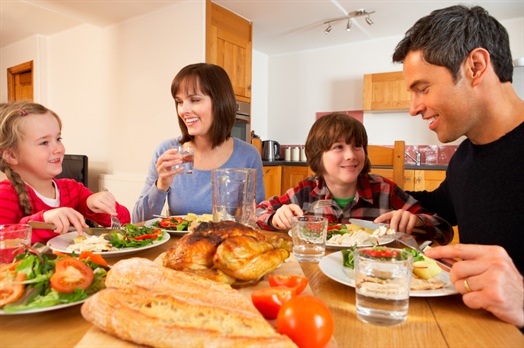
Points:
(466, 285)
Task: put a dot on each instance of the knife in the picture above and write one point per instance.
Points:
(410, 242)
(92, 231)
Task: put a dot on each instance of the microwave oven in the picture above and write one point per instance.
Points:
(242, 127)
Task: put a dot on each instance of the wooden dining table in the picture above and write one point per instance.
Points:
(432, 321)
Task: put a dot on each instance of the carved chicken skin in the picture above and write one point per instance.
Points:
(227, 251)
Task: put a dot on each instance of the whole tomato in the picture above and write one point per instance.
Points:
(307, 321)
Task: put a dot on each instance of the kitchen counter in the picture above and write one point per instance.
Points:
(407, 166)
(283, 163)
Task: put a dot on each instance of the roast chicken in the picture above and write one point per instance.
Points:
(227, 252)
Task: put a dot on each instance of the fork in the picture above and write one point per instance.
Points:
(321, 203)
(115, 223)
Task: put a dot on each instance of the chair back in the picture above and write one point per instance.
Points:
(382, 156)
(75, 167)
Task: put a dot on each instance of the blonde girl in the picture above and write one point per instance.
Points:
(31, 154)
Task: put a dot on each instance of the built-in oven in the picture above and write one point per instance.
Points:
(242, 127)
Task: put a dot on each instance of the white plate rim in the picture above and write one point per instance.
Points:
(65, 240)
(331, 266)
(45, 309)
(149, 223)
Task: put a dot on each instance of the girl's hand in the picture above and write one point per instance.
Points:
(62, 218)
(400, 220)
(102, 202)
(164, 167)
(284, 214)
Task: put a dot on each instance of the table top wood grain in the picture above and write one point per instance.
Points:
(432, 322)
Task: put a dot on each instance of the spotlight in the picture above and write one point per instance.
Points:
(348, 26)
(368, 20)
(328, 29)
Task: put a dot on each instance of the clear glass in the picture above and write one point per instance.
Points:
(187, 154)
(309, 237)
(234, 192)
(12, 238)
(382, 285)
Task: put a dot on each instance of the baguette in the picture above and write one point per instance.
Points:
(152, 305)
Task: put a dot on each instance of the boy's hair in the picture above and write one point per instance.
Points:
(213, 81)
(11, 133)
(328, 130)
(448, 35)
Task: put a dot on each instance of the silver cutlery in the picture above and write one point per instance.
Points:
(115, 223)
(92, 231)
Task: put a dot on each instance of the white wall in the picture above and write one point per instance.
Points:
(111, 86)
(331, 79)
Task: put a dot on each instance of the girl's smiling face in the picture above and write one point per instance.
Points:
(343, 163)
(40, 151)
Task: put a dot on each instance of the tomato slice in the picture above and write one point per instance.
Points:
(291, 281)
(307, 321)
(96, 258)
(170, 222)
(269, 300)
(11, 288)
(71, 274)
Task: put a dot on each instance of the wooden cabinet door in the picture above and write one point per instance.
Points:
(385, 91)
(273, 180)
(292, 175)
(428, 180)
(229, 45)
(409, 180)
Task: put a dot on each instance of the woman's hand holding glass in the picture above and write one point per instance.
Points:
(166, 168)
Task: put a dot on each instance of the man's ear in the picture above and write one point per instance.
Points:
(9, 157)
(477, 64)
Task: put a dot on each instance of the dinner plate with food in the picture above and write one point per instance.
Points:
(130, 239)
(438, 285)
(47, 283)
(178, 224)
(358, 232)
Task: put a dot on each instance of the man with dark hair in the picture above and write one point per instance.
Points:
(458, 69)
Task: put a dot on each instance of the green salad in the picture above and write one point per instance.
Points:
(34, 280)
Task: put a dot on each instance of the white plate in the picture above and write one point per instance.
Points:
(45, 309)
(381, 241)
(149, 223)
(331, 265)
(61, 242)
(366, 224)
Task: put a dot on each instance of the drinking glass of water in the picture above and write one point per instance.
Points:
(309, 237)
(187, 155)
(382, 282)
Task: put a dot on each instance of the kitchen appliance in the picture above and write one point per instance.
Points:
(242, 127)
(270, 150)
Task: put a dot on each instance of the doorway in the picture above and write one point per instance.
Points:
(20, 82)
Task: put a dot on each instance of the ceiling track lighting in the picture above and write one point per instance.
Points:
(354, 14)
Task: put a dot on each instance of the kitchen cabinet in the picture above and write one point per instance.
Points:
(229, 45)
(279, 179)
(429, 180)
(292, 175)
(385, 91)
(273, 180)
(419, 180)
